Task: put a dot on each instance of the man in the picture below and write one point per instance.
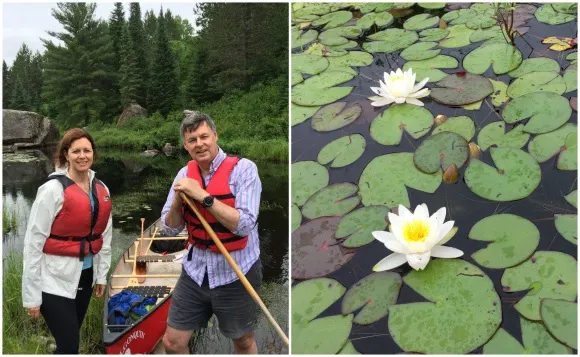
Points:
(226, 191)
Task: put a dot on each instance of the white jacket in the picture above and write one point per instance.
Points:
(53, 274)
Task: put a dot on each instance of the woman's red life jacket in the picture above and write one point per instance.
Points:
(75, 226)
(220, 189)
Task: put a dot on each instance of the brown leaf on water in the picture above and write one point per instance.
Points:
(574, 103)
(442, 24)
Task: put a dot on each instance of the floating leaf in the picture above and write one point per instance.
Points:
(473, 106)
(494, 134)
(351, 59)
(560, 318)
(503, 343)
(432, 5)
(574, 103)
(571, 79)
(322, 336)
(420, 51)
(390, 40)
(359, 225)
(342, 151)
(335, 116)
(566, 7)
(461, 89)
(433, 34)
(558, 43)
(560, 141)
(307, 178)
(458, 37)
(300, 113)
(339, 35)
(487, 34)
(536, 339)
(403, 5)
(517, 175)
(462, 313)
(374, 293)
(376, 7)
(340, 50)
(429, 68)
(501, 56)
(349, 350)
(539, 64)
(572, 56)
(439, 151)
(296, 217)
(384, 180)
(537, 82)
(314, 252)
(481, 21)
(317, 9)
(333, 200)
(420, 22)
(462, 125)
(572, 198)
(548, 275)
(548, 111)
(381, 19)
(548, 15)
(514, 239)
(387, 128)
(310, 298)
(300, 39)
(333, 19)
(320, 90)
(499, 95)
(567, 226)
(309, 64)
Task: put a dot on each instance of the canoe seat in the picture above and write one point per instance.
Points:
(155, 258)
(149, 291)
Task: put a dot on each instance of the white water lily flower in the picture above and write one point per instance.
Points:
(415, 238)
(400, 87)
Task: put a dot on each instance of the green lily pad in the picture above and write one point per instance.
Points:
(385, 178)
(333, 200)
(572, 56)
(339, 35)
(333, 19)
(403, 5)
(462, 125)
(317, 9)
(536, 339)
(499, 95)
(501, 56)
(566, 7)
(548, 274)
(300, 39)
(310, 298)
(307, 178)
(539, 64)
(322, 336)
(421, 22)
(429, 68)
(463, 311)
(437, 34)
(548, 15)
(458, 37)
(494, 134)
(572, 198)
(339, 50)
(374, 6)
(387, 128)
(296, 217)
(309, 64)
(381, 19)
(514, 239)
(440, 151)
(560, 318)
(566, 224)
(537, 82)
(420, 51)
(300, 114)
(390, 40)
(503, 343)
(560, 141)
(359, 225)
(456, 90)
(548, 111)
(571, 80)
(320, 90)
(375, 293)
(481, 21)
(349, 350)
(486, 34)
(342, 151)
(517, 175)
(351, 59)
(432, 5)
(335, 116)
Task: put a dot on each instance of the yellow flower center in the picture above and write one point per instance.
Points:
(416, 231)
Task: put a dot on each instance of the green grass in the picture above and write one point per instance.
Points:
(9, 220)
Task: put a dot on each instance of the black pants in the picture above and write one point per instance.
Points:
(64, 316)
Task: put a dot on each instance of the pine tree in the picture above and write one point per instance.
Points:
(35, 82)
(150, 25)
(20, 99)
(116, 26)
(130, 77)
(140, 48)
(6, 86)
(19, 77)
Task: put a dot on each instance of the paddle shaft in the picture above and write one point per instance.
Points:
(234, 266)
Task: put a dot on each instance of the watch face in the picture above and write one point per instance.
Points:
(208, 201)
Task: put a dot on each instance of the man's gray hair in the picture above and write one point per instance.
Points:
(193, 120)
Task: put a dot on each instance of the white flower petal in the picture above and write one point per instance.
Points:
(385, 90)
(405, 214)
(433, 236)
(443, 230)
(420, 85)
(399, 100)
(381, 102)
(421, 211)
(391, 242)
(376, 90)
(414, 101)
(440, 215)
(420, 94)
(418, 261)
(391, 261)
(445, 252)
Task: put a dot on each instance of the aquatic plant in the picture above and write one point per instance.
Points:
(399, 87)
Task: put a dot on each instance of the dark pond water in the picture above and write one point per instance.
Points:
(463, 206)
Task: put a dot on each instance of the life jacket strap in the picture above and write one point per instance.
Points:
(206, 243)
(83, 240)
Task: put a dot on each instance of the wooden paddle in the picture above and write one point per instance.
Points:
(234, 266)
(141, 267)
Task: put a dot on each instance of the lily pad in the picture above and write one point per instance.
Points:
(574, 103)
(463, 311)
(548, 15)
(571, 80)
(314, 252)
(566, 7)
(310, 298)
(351, 59)
(539, 64)
(458, 37)
(503, 343)
(499, 95)
(560, 141)
(374, 293)
(390, 40)
(536, 339)
(516, 177)
(381, 19)
(462, 125)
(320, 90)
(342, 151)
(420, 51)
(307, 178)
(548, 275)
(473, 106)
(333, 200)
(514, 239)
(296, 217)
(487, 34)
(432, 5)
(567, 226)
(301, 114)
(317, 9)
(359, 225)
(322, 336)
(572, 198)
(300, 39)
(374, 6)
(439, 151)
(501, 56)
(421, 22)
(560, 318)
(494, 134)
(335, 116)
(385, 180)
(339, 35)
(572, 56)
(387, 128)
(429, 35)
(429, 68)
(333, 19)
(309, 64)
(349, 350)
(548, 111)
(461, 89)
(537, 82)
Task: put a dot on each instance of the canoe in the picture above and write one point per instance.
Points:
(143, 335)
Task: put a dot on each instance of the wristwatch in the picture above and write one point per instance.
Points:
(207, 202)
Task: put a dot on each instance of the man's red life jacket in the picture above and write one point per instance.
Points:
(220, 189)
(75, 226)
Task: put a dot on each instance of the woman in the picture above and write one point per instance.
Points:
(67, 246)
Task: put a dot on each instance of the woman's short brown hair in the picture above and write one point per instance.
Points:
(65, 143)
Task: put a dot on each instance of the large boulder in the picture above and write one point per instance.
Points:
(132, 110)
(25, 166)
(169, 150)
(27, 130)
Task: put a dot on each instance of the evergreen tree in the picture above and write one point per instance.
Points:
(20, 99)
(198, 86)
(35, 82)
(116, 26)
(19, 77)
(130, 77)
(6, 86)
(140, 48)
(150, 25)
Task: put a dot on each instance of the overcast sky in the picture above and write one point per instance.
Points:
(28, 22)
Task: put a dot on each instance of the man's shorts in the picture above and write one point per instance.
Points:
(192, 305)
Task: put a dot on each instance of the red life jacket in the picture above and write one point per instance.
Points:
(74, 225)
(220, 189)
